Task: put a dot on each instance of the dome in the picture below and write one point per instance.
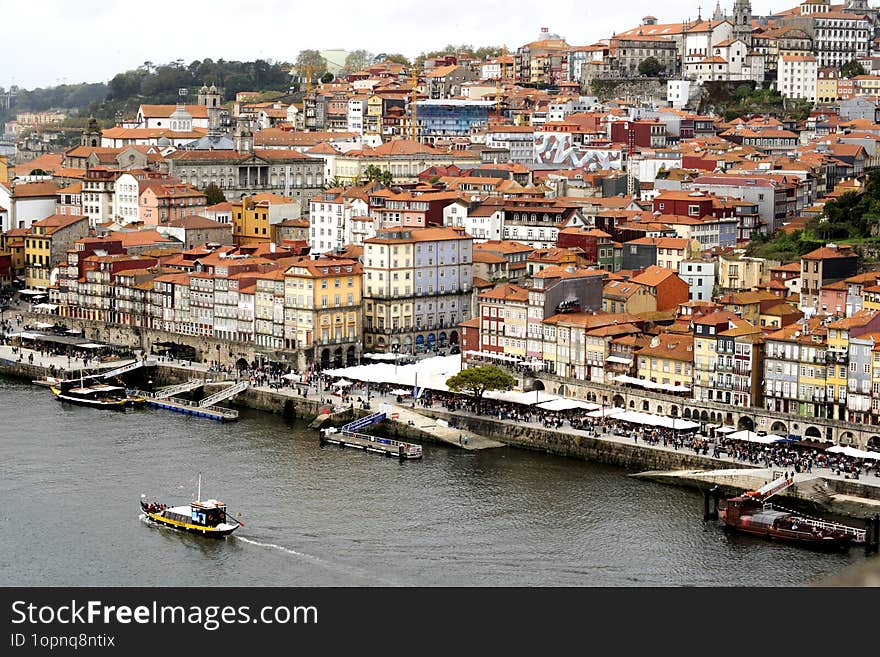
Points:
(163, 142)
(204, 89)
(213, 89)
(180, 114)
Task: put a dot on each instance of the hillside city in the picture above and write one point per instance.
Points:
(683, 208)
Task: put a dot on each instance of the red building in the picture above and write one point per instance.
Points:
(643, 134)
(666, 286)
(692, 204)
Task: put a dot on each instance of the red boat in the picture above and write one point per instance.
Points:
(751, 514)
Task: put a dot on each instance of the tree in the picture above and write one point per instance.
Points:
(327, 77)
(214, 194)
(650, 67)
(356, 61)
(374, 174)
(851, 69)
(310, 59)
(397, 58)
(479, 380)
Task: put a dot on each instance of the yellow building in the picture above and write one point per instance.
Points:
(4, 170)
(12, 242)
(255, 217)
(826, 88)
(373, 117)
(322, 310)
(839, 360)
(46, 245)
(669, 360)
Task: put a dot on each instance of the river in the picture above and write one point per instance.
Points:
(72, 477)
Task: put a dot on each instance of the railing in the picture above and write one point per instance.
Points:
(226, 393)
(164, 393)
(363, 422)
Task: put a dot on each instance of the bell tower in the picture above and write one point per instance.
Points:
(742, 21)
(91, 136)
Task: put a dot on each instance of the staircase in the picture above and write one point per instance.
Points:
(224, 394)
(128, 368)
(170, 391)
(818, 492)
(363, 422)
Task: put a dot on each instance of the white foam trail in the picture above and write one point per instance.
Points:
(316, 560)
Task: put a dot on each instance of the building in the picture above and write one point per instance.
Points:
(417, 287)
(46, 246)
(255, 219)
(322, 310)
(797, 77)
(166, 201)
(700, 277)
(668, 360)
(820, 267)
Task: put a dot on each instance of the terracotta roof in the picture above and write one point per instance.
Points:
(653, 276)
(507, 292)
(35, 190)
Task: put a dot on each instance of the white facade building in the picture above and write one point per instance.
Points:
(796, 77)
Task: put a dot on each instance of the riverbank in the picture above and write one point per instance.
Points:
(821, 490)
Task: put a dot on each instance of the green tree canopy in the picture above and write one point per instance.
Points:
(313, 59)
(356, 61)
(214, 194)
(650, 67)
(479, 380)
(374, 174)
(851, 69)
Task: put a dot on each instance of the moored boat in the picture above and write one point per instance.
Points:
(97, 396)
(203, 517)
(750, 513)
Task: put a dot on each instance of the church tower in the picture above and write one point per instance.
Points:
(718, 16)
(244, 138)
(742, 21)
(91, 136)
(210, 98)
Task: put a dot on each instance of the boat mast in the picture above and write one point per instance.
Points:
(199, 494)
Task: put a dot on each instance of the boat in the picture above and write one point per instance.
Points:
(202, 517)
(100, 395)
(750, 513)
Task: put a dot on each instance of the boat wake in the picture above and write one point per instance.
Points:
(320, 562)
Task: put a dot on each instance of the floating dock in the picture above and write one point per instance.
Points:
(348, 436)
(368, 443)
(187, 407)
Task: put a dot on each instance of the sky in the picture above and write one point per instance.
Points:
(54, 42)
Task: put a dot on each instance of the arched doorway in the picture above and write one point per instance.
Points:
(646, 406)
(562, 391)
(745, 424)
(325, 358)
(537, 384)
(337, 357)
(241, 364)
(618, 402)
(687, 413)
(813, 432)
(453, 337)
(659, 409)
(779, 428)
(846, 438)
(432, 339)
(673, 411)
(704, 416)
(874, 443)
(632, 403)
(442, 339)
(420, 343)
(350, 355)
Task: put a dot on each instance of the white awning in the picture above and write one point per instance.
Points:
(657, 420)
(46, 306)
(33, 293)
(567, 405)
(91, 345)
(725, 429)
(606, 411)
(853, 452)
(490, 355)
(524, 398)
(619, 359)
(752, 437)
(43, 325)
(650, 385)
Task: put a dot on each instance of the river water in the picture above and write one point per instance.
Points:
(72, 477)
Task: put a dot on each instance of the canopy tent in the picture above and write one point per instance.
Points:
(619, 359)
(725, 429)
(493, 356)
(606, 411)
(91, 345)
(524, 398)
(430, 373)
(343, 383)
(752, 437)
(636, 417)
(385, 356)
(401, 392)
(33, 293)
(567, 405)
(650, 385)
(292, 376)
(46, 306)
(74, 331)
(43, 325)
(853, 452)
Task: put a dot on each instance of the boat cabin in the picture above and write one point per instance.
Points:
(209, 513)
